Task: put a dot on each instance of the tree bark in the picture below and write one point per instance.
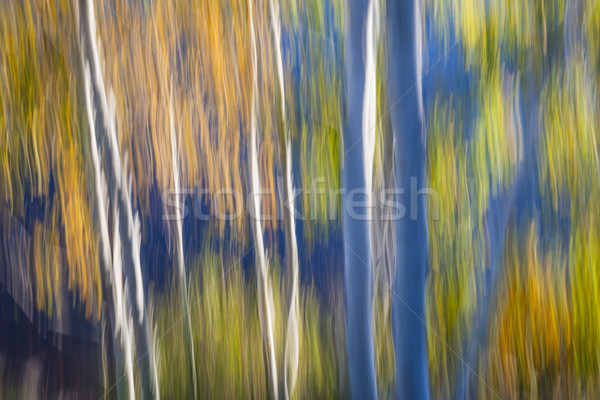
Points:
(181, 272)
(356, 179)
(265, 301)
(112, 281)
(292, 337)
(408, 123)
(119, 193)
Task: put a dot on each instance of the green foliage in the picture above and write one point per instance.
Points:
(314, 103)
(529, 64)
(227, 337)
(456, 258)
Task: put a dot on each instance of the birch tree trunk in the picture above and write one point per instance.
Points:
(119, 193)
(180, 256)
(112, 281)
(265, 301)
(292, 339)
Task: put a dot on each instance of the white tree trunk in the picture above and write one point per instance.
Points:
(123, 323)
(180, 256)
(292, 338)
(266, 312)
(369, 119)
(119, 193)
(112, 274)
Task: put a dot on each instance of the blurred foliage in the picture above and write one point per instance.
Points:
(516, 85)
(227, 337)
(314, 97)
(43, 145)
(524, 75)
(455, 253)
(527, 349)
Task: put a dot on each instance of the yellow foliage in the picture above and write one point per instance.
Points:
(530, 329)
(41, 140)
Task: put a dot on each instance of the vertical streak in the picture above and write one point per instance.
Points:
(356, 179)
(112, 270)
(370, 96)
(369, 131)
(180, 256)
(292, 343)
(265, 311)
(119, 192)
(404, 52)
(123, 321)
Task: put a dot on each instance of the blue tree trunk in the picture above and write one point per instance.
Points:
(405, 92)
(357, 251)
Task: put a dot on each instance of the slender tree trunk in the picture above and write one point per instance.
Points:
(383, 232)
(292, 338)
(183, 288)
(404, 74)
(112, 275)
(356, 179)
(122, 321)
(119, 193)
(265, 302)
(292, 345)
